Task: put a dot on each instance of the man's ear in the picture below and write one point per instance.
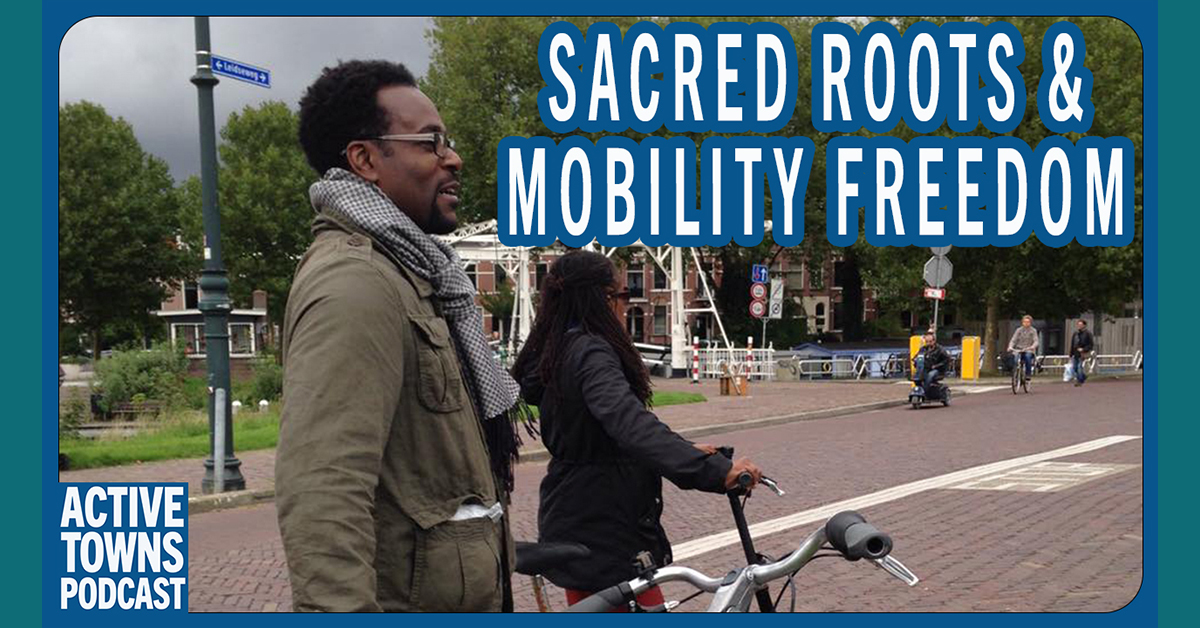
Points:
(363, 158)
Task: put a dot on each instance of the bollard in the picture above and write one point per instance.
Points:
(263, 404)
(695, 359)
(237, 406)
(219, 442)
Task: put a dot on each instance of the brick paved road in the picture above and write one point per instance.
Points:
(1076, 549)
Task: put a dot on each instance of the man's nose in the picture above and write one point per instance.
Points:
(452, 160)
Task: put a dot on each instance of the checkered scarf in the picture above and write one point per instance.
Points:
(493, 391)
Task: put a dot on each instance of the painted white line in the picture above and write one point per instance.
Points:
(971, 390)
(703, 545)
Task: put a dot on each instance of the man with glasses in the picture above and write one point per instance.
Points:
(397, 437)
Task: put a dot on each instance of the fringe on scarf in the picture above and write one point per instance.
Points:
(504, 440)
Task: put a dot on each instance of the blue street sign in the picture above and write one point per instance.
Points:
(241, 71)
(758, 274)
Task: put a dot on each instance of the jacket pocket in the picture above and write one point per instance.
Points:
(457, 567)
(440, 386)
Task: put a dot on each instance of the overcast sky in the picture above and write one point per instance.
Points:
(138, 68)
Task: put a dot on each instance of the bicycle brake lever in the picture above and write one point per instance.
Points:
(771, 484)
(897, 569)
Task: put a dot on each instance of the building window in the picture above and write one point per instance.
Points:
(839, 274)
(541, 270)
(191, 335)
(191, 295)
(816, 278)
(241, 339)
(501, 276)
(635, 321)
(635, 281)
(660, 320)
(660, 279)
(820, 316)
(473, 273)
(839, 315)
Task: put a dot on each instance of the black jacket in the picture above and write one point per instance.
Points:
(1082, 339)
(935, 358)
(609, 454)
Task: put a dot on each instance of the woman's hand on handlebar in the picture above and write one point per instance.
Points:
(740, 466)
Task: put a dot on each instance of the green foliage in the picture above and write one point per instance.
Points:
(117, 222)
(267, 382)
(132, 375)
(266, 216)
(72, 414)
(181, 436)
(499, 304)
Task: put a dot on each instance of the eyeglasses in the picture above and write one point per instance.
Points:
(441, 142)
(619, 295)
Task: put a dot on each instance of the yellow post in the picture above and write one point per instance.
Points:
(970, 357)
(914, 345)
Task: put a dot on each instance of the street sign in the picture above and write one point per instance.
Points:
(776, 304)
(241, 71)
(935, 293)
(938, 271)
(940, 250)
(758, 291)
(758, 274)
(758, 308)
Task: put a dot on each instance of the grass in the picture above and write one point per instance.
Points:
(183, 436)
(186, 436)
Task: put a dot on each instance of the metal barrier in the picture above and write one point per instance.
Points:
(760, 367)
(1095, 363)
(857, 367)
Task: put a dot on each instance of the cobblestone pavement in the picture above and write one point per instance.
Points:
(1078, 548)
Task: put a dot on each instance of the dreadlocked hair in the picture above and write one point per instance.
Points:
(576, 292)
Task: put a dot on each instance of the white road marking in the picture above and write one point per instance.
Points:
(703, 545)
(1043, 477)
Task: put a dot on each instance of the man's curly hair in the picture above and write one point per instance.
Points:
(341, 106)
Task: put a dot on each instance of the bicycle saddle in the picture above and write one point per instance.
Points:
(537, 558)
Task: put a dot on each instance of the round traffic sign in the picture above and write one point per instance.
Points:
(758, 291)
(758, 308)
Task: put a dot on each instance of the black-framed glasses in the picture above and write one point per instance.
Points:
(442, 143)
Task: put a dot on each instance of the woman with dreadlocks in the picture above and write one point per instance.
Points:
(609, 453)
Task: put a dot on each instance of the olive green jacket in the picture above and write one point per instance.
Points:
(379, 444)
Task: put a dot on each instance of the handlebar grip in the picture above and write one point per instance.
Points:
(603, 601)
(744, 479)
(851, 535)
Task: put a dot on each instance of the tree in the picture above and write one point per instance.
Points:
(118, 221)
(266, 216)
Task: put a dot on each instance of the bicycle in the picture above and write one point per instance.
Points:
(1019, 378)
(847, 534)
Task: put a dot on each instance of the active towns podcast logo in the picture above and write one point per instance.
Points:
(122, 546)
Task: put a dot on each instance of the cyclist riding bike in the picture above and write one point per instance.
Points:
(937, 361)
(1024, 342)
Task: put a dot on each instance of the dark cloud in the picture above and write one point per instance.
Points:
(138, 68)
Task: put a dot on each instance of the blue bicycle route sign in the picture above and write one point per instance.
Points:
(241, 71)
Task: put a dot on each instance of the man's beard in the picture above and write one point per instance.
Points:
(438, 223)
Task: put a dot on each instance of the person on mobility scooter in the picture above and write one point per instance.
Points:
(929, 366)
